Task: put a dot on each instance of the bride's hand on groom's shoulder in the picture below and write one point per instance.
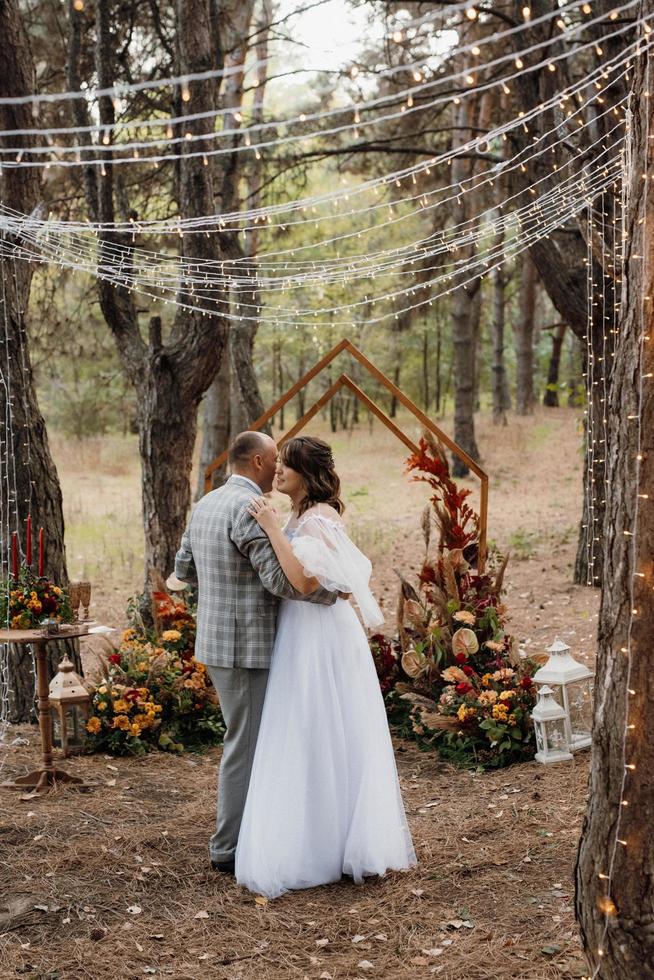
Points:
(264, 513)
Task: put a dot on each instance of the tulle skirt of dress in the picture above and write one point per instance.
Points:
(324, 796)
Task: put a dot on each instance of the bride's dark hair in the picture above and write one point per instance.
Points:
(312, 459)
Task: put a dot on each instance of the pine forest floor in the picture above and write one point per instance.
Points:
(114, 883)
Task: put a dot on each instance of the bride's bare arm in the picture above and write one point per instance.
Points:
(265, 516)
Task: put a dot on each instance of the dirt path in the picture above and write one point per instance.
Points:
(114, 884)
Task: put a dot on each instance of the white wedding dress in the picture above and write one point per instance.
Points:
(324, 797)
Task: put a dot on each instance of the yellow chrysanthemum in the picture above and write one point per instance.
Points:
(122, 722)
(171, 636)
(93, 725)
(121, 706)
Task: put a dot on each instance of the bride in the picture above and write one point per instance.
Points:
(324, 798)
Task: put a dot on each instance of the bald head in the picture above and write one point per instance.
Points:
(254, 454)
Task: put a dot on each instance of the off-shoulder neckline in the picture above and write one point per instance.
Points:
(315, 516)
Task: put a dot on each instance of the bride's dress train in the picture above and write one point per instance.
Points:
(324, 797)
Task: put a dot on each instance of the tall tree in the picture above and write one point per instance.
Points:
(466, 306)
(523, 334)
(233, 400)
(551, 396)
(170, 373)
(562, 258)
(33, 487)
(615, 865)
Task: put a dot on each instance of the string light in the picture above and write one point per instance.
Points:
(126, 146)
(607, 904)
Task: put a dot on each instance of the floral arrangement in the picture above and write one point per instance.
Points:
(28, 599)
(471, 692)
(156, 695)
(386, 661)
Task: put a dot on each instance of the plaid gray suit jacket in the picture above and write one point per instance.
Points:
(240, 582)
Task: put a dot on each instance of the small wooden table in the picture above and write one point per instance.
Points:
(48, 775)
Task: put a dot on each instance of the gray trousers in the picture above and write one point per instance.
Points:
(241, 691)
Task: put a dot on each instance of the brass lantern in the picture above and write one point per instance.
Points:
(69, 708)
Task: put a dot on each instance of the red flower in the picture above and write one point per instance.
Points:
(115, 658)
(468, 671)
(133, 694)
(461, 658)
(526, 682)
(463, 688)
(427, 575)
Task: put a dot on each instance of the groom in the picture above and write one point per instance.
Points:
(240, 583)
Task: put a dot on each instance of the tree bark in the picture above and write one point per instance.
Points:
(463, 337)
(551, 396)
(523, 333)
(498, 324)
(616, 912)
(561, 257)
(170, 377)
(216, 426)
(465, 305)
(29, 484)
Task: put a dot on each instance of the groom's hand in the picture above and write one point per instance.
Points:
(344, 595)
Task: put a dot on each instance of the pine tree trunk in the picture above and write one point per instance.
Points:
(216, 427)
(439, 378)
(499, 369)
(590, 543)
(551, 396)
(29, 483)
(170, 378)
(523, 332)
(616, 913)
(463, 337)
(465, 310)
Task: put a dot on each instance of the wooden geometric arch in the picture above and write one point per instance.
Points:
(345, 381)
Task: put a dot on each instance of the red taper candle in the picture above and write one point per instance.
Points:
(28, 548)
(14, 555)
(41, 543)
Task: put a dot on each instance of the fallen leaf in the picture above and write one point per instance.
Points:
(325, 976)
(134, 909)
(261, 900)
(417, 961)
(434, 951)
(417, 892)
(455, 923)
(322, 942)
(201, 915)
(381, 936)
(366, 965)
(358, 939)
(550, 950)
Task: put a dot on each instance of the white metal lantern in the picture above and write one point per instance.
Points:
(549, 720)
(574, 681)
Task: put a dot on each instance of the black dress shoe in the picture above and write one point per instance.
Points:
(225, 867)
